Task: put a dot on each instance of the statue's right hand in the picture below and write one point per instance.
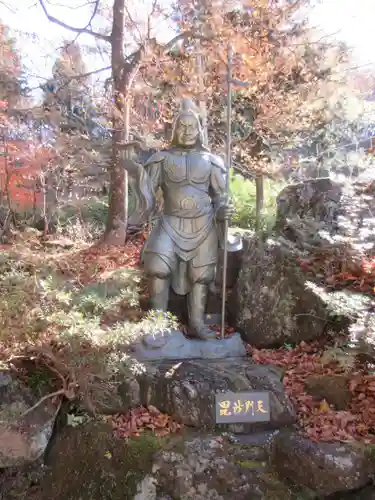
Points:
(133, 168)
(132, 145)
(127, 151)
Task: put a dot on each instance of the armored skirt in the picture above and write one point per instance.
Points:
(187, 245)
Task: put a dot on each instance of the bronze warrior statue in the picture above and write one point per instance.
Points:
(182, 249)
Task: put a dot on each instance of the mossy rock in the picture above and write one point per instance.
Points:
(89, 463)
(273, 303)
(334, 388)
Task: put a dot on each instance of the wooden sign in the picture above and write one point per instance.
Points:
(236, 407)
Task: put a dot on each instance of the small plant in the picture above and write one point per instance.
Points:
(244, 199)
(85, 222)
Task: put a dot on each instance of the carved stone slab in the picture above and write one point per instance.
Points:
(174, 345)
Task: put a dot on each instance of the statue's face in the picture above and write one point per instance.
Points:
(187, 131)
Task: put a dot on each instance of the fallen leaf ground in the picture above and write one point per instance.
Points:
(338, 271)
(319, 420)
(89, 266)
(140, 420)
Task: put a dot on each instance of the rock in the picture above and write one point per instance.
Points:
(367, 493)
(115, 395)
(211, 468)
(187, 466)
(186, 390)
(314, 198)
(24, 434)
(22, 483)
(256, 446)
(325, 468)
(317, 220)
(146, 489)
(343, 210)
(89, 462)
(174, 345)
(333, 388)
(341, 356)
(271, 303)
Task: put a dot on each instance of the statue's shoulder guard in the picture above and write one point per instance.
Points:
(218, 162)
(157, 157)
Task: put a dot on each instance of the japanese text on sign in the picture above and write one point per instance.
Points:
(233, 407)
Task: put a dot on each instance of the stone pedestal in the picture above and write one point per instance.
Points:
(186, 390)
(172, 344)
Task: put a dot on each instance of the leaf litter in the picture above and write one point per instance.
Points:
(319, 420)
(141, 419)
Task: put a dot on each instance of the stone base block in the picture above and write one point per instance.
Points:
(174, 345)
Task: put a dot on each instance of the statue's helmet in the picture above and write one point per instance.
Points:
(189, 117)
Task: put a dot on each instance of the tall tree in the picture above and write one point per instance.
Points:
(296, 83)
(274, 53)
(12, 83)
(133, 45)
(69, 73)
(68, 89)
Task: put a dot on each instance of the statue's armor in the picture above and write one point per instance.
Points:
(193, 185)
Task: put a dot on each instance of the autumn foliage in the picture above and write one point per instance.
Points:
(21, 165)
(336, 272)
(319, 420)
(141, 419)
(288, 83)
(287, 77)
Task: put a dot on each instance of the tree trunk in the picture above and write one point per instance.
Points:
(115, 233)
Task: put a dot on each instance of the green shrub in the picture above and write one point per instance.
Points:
(86, 222)
(244, 198)
(24, 300)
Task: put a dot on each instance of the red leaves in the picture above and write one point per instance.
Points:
(21, 184)
(345, 273)
(139, 420)
(228, 330)
(91, 262)
(320, 421)
(363, 402)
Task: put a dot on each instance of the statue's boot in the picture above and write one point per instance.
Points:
(197, 299)
(159, 293)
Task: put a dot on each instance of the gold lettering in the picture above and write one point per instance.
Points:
(238, 406)
(224, 405)
(260, 407)
(224, 408)
(249, 405)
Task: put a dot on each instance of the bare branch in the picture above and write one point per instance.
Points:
(94, 12)
(184, 36)
(133, 22)
(88, 25)
(7, 7)
(82, 76)
(60, 392)
(85, 30)
(153, 10)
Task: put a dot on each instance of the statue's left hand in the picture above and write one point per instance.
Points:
(225, 212)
